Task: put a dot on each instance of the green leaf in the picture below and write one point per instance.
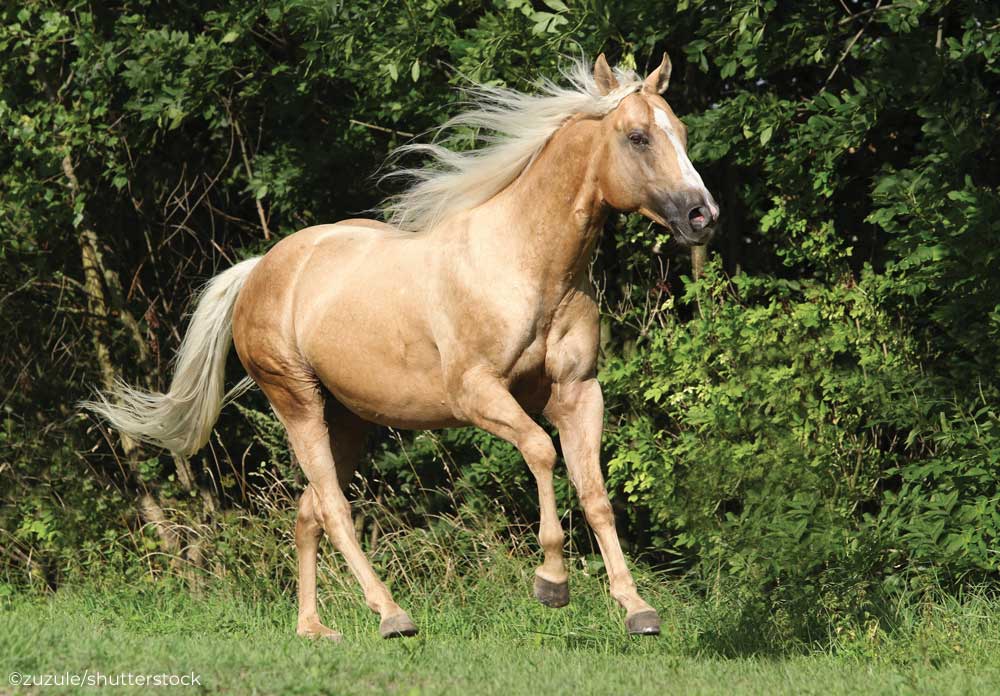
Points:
(230, 37)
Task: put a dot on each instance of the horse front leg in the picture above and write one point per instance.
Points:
(577, 410)
(488, 404)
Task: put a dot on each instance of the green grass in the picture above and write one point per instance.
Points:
(466, 581)
(486, 636)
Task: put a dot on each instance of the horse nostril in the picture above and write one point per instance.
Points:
(697, 217)
(713, 210)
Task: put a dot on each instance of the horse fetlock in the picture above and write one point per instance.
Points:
(551, 538)
(624, 592)
(312, 628)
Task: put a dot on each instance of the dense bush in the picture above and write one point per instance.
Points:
(789, 438)
(811, 422)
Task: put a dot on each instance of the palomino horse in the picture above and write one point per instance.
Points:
(473, 307)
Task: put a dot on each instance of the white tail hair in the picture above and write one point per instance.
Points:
(182, 419)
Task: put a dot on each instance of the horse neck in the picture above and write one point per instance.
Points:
(552, 215)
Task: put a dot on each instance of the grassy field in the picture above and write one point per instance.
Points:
(484, 637)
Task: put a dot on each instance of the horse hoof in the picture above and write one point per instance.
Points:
(551, 594)
(645, 623)
(397, 626)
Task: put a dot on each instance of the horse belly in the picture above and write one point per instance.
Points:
(382, 390)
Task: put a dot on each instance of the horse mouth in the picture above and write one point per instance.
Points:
(678, 235)
(689, 231)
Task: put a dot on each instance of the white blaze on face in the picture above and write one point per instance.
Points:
(689, 175)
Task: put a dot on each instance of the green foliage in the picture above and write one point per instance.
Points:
(809, 425)
(787, 438)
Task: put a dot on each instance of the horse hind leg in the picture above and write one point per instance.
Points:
(308, 531)
(321, 436)
(347, 440)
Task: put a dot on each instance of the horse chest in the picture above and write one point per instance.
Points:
(532, 359)
(551, 345)
(528, 379)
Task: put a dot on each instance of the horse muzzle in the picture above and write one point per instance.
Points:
(690, 215)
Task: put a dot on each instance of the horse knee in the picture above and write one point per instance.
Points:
(597, 509)
(539, 453)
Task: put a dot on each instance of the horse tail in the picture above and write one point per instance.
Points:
(182, 419)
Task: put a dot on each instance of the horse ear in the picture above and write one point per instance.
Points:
(603, 76)
(658, 80)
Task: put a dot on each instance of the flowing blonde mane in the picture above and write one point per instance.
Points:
(518, 126)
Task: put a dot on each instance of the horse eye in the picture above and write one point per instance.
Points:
(638, 139)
